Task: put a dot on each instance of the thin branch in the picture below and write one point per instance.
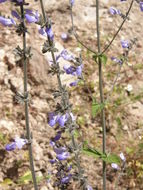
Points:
(110, 43)
(119, 29)
(26, 102)
(75, 34)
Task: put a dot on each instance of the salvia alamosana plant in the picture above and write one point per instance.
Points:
(68, 159)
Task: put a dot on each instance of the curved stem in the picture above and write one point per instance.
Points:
(119, 29)
(26, 102)
(110, 43)
(76, 36)
(101, 94)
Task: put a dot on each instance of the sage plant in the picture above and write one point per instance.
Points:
(99, 56)
(24, 53)
(62, 116)
(61, 119)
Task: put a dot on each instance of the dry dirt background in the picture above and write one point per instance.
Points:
(124, 120)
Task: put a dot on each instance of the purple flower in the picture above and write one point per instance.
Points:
(72, 2)
(64, 37)
(52, 161)
(69, 168)
(59, 150)
(70, 70)
(52, 143)
(74, 83)
(122, 157)
(79, 70)
(7, 21)
(50, 33)
(115, 166)
(116, 60)
(1, 1)
(19, 1)
(28, 11)
(88, 187)
(141, 6)
(73, 70)
(18, 143)
(53, 118)
(10, 147)
(57, 137)
(125, 44)
(63, 156)
(32, 17)
(114, 11)
(60, 119)
(63, 119)
(15, 14)
(42, 31)
(66, 179)
(64, 54)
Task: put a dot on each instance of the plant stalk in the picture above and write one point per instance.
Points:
(28, 133)
(119, 29)
(101, 94)
(65, 100)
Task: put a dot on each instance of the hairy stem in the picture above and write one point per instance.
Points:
(28, 133)
(65, 100)
(101, 94)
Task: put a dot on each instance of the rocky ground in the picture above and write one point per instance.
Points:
(123, 113)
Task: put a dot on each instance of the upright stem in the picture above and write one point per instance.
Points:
(28, 133)
(65, 100)
(101, 93)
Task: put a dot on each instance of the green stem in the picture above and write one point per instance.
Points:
(101, 94)
(28, 133)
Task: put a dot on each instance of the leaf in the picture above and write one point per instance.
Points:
(103, 59)
(129, 150)
(92, 152)
(95, 56)
(112, 158)
(96, 108)
(26, 178)
(7, 181)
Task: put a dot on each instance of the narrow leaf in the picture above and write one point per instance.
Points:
(112, 158)
(96, 108)
(103, 59)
